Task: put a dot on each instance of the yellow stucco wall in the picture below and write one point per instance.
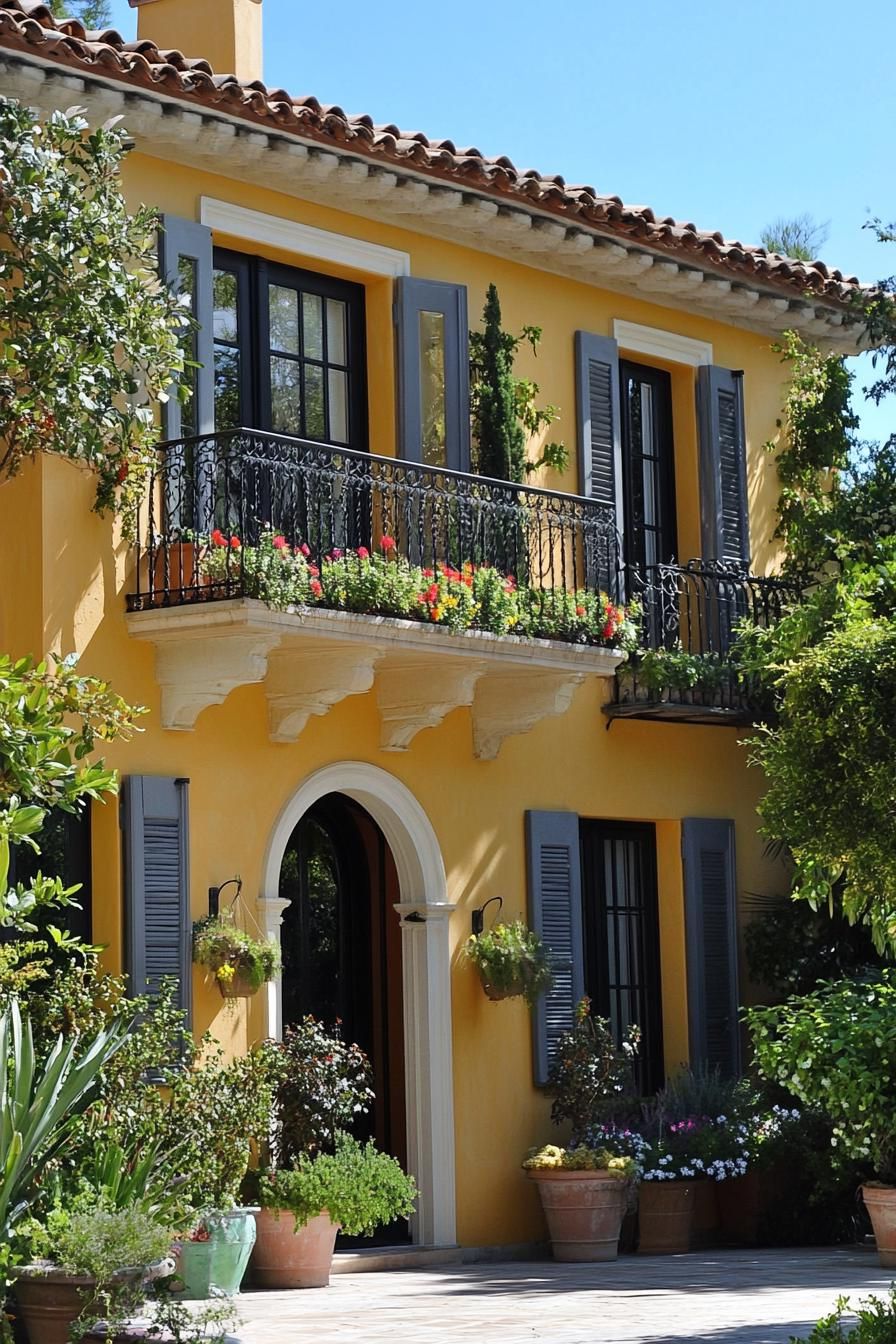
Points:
(64, 576)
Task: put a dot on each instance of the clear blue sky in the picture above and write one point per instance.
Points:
(725, 115)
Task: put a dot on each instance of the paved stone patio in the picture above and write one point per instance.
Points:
(726, 1297)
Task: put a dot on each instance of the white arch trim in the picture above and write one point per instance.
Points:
(425, 911)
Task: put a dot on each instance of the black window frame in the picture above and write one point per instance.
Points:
(660, 380)
(76, 871)
(254, 275)
(646, 1007)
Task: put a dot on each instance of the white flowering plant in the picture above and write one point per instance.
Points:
(714, 1147)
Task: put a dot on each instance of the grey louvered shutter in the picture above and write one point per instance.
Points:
(554, 869)
(158, 928)
(711, 928)
(185, 264)
(599, 436)
(433, 341)
(723, 465)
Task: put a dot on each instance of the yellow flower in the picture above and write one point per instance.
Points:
(226, 973)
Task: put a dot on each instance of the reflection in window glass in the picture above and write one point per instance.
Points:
(286, 396)
(284, 310)
(186, 278)
(338, 406)
(432, 389)
(315, 422)
(336, 331)
(225, 299)
(313, 326)
(227, 387)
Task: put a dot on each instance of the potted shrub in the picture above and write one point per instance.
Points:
(240, 963)
(88, 1263)
(317, 1178)
(512, 961)
(584, 1188)
(356, 1189)
(835, 1050)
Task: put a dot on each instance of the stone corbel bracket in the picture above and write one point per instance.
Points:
(510, 702)
(201, 669)
(312, 678)
(414, 694)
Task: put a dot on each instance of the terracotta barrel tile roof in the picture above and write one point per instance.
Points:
(28, 25)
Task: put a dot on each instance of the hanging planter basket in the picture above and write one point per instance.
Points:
(511, 962)
(517, 988)
(241, 986)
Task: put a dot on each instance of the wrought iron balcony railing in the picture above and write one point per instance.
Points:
(327, 498)
(690, 617)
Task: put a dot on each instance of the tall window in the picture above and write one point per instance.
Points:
(648, 466)
(289, 351)
(64, 841)
(621, 927)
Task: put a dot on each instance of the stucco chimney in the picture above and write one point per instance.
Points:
(226, 33)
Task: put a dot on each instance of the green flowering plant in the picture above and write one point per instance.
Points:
(232, 955)
(357, 1185)
(591, 1076)
(273, 571)
(377, 583)
(835, 1050)
(512, 961)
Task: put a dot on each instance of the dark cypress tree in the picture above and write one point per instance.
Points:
(497, 429)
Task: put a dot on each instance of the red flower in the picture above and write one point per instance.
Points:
(235, 543)
(304, 549)
(428, 573)
(363, 553)
(280, 543)
(316, 587)
(218, 538)
(313, 571)
(336, 553)
(432, 593)
(580, 611)
(609, 630)
(122, 473)
(387, 544)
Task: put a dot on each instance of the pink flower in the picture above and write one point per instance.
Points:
(363, 553)
(387, 544)
(316, 588)
(336, 553)
(304, 549)
(280, 543)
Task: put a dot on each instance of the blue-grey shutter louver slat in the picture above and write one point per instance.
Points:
(711, 924)
(183, 240)
(157, 886)
(555, 913)
(412, 298)
(599, 435)
(723, 465)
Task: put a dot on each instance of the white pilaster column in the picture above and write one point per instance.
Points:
(428, 1068)
(270, 910)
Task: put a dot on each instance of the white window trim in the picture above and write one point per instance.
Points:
(659, 344)
(252, 226)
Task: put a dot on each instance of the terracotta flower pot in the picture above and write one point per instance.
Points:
(290, 1257)
(584, 1212)
(880, 1201)
(665, 1217)
(50, 1301)
(176, 568)
(705, 1226)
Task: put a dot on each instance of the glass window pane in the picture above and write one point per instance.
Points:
(227, 388)
(336, 331)
(313, 326)
(284, 308)
(226, 315)
(315, 425)
(338, 406)
(286, 396)
(432, 389)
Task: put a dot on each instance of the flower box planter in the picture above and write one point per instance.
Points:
(289, 1257)
(665, 1217)
(880, 1201)
(584, 1212)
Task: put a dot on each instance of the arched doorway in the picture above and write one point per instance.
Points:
(424, 912)
(341, 946)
